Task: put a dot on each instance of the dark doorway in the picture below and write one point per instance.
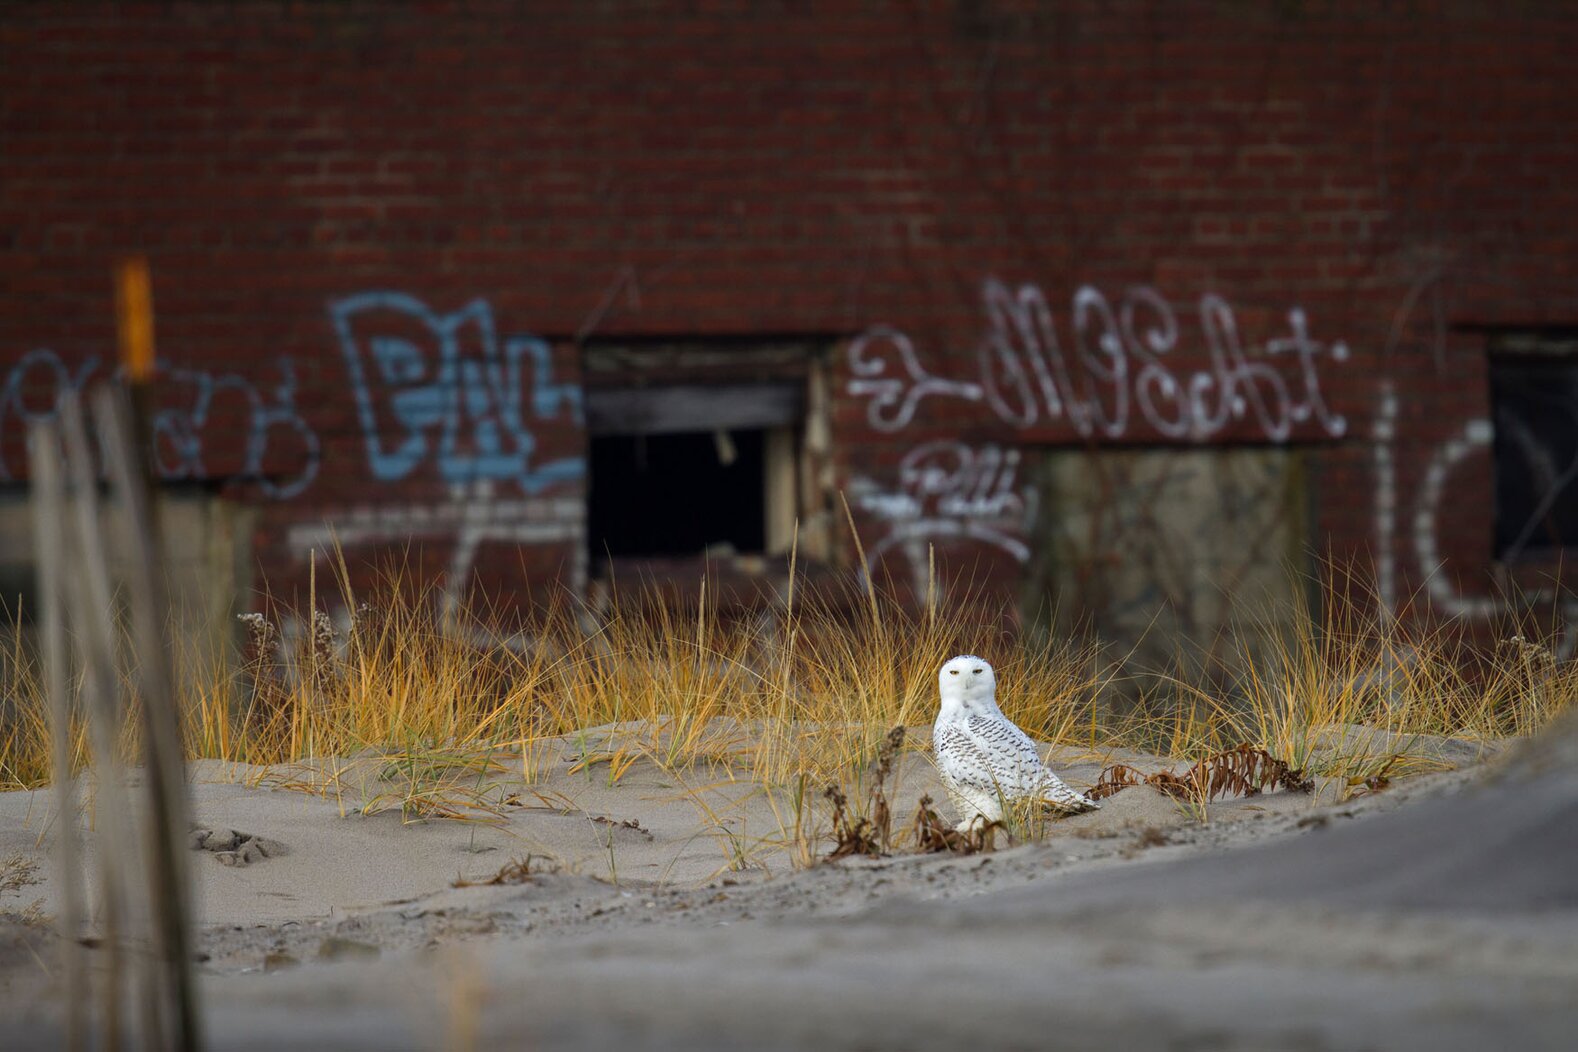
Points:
(675, 494)
(1536, 453)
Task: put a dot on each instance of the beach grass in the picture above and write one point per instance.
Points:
(792, 693)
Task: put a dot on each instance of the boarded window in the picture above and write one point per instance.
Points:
(1157, 550)
(1534, 392)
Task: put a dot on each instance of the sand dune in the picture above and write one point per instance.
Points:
(1440, 913)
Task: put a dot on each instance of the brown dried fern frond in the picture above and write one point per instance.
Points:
(1242, 771)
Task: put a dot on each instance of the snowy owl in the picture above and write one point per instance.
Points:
(984, 759)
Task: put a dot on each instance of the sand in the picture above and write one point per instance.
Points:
(666, 911)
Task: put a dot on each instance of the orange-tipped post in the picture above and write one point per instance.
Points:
(134, 317)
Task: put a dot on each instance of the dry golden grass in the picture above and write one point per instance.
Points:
(793, 696)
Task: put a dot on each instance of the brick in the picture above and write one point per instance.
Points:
(774, 176)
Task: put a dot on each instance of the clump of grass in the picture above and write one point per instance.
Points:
(1355, 694)
(24, 720)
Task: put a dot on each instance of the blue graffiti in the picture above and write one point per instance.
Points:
(37, 383)
(179, 430)
(456, 379)
(39, 370)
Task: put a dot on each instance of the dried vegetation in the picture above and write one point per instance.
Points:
(1242, 771)
(397, 703)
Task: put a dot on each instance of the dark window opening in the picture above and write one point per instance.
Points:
(676, 493)
(1535, 400)
(703, 447)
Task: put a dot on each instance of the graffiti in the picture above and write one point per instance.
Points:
(1119, 371)
(950, 490)
(894, 399)
(1445, 594)
(1476, 435)
(33, 390)
(178, 431)
(443, 388)
(1517, 445)
(1385, 499)
(190, 402)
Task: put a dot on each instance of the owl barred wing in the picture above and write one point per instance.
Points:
(962, 761)
(1016, 764)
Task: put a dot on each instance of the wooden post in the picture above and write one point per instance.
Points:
(121, 418)
(134, 319)
(164, 762)
(49, 521)
(94, 603)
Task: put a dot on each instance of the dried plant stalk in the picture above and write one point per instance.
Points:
(933, 835)
(870, 834)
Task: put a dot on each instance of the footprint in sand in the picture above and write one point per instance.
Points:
(231, 847)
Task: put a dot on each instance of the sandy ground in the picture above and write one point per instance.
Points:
(666, 911)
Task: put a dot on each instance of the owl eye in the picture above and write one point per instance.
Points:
(979, 671)
(953, 672)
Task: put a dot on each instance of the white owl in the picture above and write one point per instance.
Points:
(985, 760)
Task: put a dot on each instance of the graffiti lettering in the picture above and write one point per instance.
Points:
(443, 388)
(1432, 495)
(1118, 372)
(950, 490)
(187, 398)
(895, 398)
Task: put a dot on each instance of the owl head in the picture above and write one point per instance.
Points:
(967, 685)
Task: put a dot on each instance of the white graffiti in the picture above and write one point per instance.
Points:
(269, 422)
(1433, 497)
(895, 398)
(1385, 499)
(1119, 373)
(1476, 435)
(948, 490)
(1430, 503)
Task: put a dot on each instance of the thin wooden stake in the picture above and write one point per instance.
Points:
(169, 881)
(49, 517)
(93, 601)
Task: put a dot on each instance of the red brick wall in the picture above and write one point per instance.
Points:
(1400, 173)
